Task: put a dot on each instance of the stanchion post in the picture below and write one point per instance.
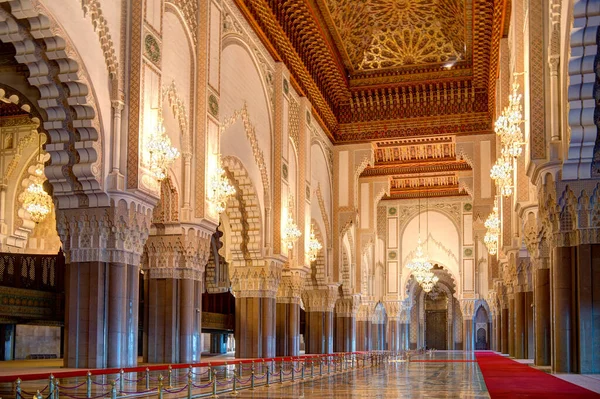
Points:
(234, 392)
(214, 384)
(113, 390)
(121, 380)
(189, 384)
(281, 373)
(147, 378)
(209, 373)
(88, 385)
(268, 372)
(160, 386)
(312, 367)
(18, 389)
(292, 361)
(56, 391)
(38, 395)
(252, 376)
(302, 375)
(51, 387)
(170, 377)
(328, 365)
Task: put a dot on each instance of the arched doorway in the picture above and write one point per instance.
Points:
(436, 322)
(481, 329)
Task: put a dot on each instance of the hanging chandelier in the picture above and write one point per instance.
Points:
(220, 188)
(35, 199)
(429, 280)
(290, 232)
(419, 265)
(492, 224)
(162, 154)
(314, 246)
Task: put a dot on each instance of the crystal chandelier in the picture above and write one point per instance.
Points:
(162, 154)
(419, 265)
(314, 246)
(35, 199)
(492, 224)
(290, 231)
(428, 281)
(220, 188)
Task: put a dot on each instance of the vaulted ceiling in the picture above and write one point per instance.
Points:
(383, 71)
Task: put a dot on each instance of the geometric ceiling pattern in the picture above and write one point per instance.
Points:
(382, 71)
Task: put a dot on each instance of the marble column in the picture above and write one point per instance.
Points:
(319, 304)
(587, 296)
(511, 325)
(520, 320)
(346, 310)
(529, 334)
(102, 283)
(562, 329)
(542, 317)
(218, 343)
(396, 319)
(504, 332)
(255, 288)
(364, 327)
(288, 312)
(468, 340)
(174, 269)
(498, 331)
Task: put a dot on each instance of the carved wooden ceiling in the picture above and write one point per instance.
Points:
(381, 70)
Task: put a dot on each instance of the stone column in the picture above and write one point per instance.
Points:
(218, 343)
(467, 308)
(498, 331)
(405, 328)
(102, 247)
(529, 336)
(511, 325)
(288, 312)
(346, 310)
(174, 268)
(542, 317)
(520, 320)
(254, 285)
(319, 304)
(364, 327)
(562, 329)
(504, 330)
(393, 333)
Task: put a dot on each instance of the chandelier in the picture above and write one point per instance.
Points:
(162, 154)
(35, 199)
(429, 280)
(290, 231)
(314, 246)
(220, 188)
(492, 224)
(419, 265)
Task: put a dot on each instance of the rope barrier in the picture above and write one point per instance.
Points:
(73, 387)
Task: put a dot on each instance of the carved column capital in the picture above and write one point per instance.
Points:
(467, 308)
(255, 278)
(291, 285)
(177, 256)
(115, 234)
(321, 298)
(365, 311)
(347, 306)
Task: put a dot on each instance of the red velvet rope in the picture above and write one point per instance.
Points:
(159, 367)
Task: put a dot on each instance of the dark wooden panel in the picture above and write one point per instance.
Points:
(436, 329)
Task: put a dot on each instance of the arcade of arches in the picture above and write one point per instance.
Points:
(369, 126)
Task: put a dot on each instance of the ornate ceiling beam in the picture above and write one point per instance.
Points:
(437, 167)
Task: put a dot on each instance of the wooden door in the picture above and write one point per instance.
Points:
(436, 327)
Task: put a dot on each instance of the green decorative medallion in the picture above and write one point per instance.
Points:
(213, 105)
(468, 252)
(152, 48)
(286, 86)
(392, 211)
(392, 255)
(468, 207)
(284, 171)
(308, 117)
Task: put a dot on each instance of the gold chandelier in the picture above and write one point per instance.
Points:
(314, 246)
(35, 199)
(162, 154)
(492, 224)
(220, 188)
(290, 232)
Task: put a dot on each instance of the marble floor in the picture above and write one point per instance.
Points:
(440, 375)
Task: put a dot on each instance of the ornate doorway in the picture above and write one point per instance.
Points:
(436, 320)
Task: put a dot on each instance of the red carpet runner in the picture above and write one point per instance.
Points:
(506, 378)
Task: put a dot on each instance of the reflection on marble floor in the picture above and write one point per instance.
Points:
(395, 380)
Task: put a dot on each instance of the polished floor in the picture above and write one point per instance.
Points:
(439, 375)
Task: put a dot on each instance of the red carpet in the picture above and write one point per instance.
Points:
(506, 378)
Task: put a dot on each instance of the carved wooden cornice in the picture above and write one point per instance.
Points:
(402, 100)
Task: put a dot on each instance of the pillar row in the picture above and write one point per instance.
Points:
(346, 310)
(288, 312)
